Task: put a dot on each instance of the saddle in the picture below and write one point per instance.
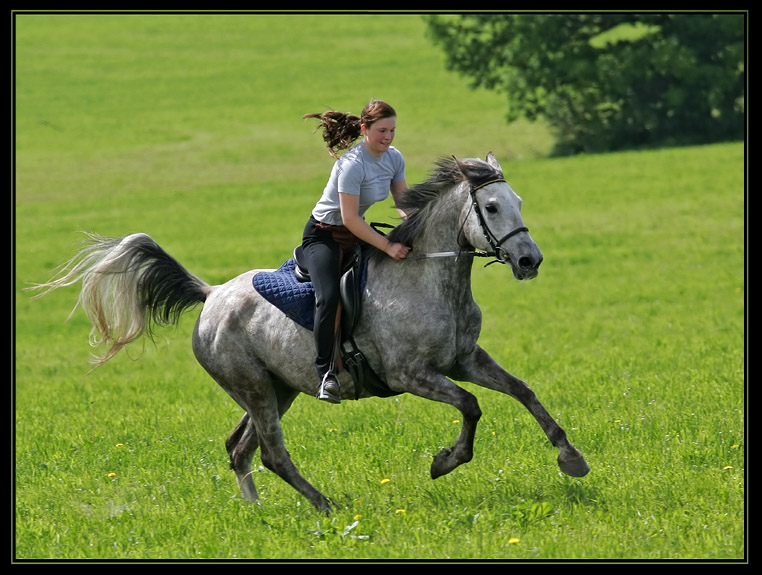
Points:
(352, 281)
(289, 288)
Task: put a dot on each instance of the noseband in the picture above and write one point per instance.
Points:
(495, 244)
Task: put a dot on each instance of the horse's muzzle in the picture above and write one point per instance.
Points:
(527, 265)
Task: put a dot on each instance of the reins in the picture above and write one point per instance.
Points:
(434, 255)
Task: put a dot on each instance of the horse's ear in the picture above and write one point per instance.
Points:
(461, 166)
(492, 161)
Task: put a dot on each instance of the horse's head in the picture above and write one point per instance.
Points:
(492, 218)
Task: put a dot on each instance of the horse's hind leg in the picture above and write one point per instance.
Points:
(277, 459)
(260, 427)
(241, 445)
(481, 369)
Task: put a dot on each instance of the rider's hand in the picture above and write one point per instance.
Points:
(396, 250)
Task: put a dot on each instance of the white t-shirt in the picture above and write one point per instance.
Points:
(360, 173)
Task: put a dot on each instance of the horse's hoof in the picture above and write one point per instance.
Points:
(442, 463)
(323, 504)
(576, 467)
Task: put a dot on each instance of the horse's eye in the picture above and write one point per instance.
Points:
(491, 208)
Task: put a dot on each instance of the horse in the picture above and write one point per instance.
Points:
(418, 327)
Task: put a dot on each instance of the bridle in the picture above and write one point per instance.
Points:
(495, 244)
(501, 256)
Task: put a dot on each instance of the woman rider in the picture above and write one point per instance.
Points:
(362, 176)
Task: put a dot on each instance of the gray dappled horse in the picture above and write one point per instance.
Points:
(418, 329)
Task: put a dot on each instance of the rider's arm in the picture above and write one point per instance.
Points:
(350, 206)
(397, 189)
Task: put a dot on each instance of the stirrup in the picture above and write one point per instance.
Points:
(329, 390)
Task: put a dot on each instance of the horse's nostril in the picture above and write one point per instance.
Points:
(527, 263)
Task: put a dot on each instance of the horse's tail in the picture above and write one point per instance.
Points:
(129, 285)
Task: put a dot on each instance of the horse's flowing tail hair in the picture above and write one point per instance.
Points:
(129, 285)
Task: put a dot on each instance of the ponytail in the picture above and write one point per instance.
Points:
(340, 130)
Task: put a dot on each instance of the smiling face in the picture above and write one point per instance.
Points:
(379, 136)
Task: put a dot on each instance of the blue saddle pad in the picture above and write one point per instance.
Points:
(294, 298)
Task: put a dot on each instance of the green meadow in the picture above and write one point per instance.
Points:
(189, 128)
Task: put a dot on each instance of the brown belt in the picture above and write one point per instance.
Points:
(341, 235)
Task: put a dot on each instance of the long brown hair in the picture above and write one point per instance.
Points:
(340, 129)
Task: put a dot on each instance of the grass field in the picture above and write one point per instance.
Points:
(189, 128)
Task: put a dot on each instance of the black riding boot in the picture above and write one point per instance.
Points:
(330, 390)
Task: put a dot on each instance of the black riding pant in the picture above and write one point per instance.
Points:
(323, 259)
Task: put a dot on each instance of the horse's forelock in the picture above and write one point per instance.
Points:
(478, 172)
(448, 173)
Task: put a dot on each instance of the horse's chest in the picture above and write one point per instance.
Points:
(448, 329)
(417, 314)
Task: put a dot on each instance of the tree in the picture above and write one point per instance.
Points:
(607, 81)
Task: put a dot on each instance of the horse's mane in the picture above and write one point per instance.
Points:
(420, 200)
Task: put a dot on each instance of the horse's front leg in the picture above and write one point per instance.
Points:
(428, 384)
(481, 369)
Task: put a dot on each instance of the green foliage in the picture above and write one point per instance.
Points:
(608, 81)
(189, 129)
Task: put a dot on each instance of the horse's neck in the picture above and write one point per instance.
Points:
(439, 283)
(442, 235)
(444, 232)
